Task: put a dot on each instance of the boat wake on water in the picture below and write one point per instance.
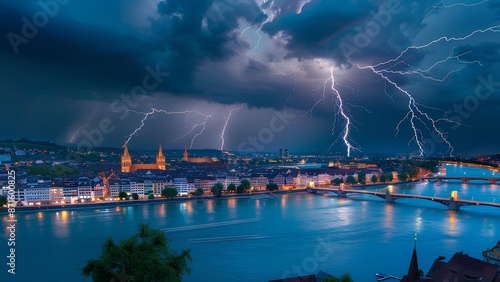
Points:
(226, 238)
(210, 225)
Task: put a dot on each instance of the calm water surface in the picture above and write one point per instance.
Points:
(259, 240)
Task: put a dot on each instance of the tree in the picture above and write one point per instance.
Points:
(123, 195)
(374, 179)
(362, 176)
(350, 180)
(240, 189)
(246, 184)
(337, 181)
(383, 178)
(199, 192)
(402, 175)
(346, 277)
(135, 196)
(217, 189)
(272, 187)
(169, 192)
(58, 170)
(231, 188)
(413, 173)
(389, 176)
(3, 201)
(151, 196)
(40, 170)
(64, 170)
(145, 256)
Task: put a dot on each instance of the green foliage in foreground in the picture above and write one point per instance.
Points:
(346, 277)
(146, 256)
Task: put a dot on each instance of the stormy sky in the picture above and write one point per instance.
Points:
(345, 77)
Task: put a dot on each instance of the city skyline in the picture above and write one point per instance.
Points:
(251, 76)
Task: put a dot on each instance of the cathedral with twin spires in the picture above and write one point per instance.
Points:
(128, 166)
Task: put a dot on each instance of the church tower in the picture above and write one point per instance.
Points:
(160, 159)
(126, 159)
(185, 157)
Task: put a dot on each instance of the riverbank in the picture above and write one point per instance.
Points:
(140, 202)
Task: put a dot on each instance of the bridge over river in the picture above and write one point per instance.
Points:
(453, 203)
(464, 179)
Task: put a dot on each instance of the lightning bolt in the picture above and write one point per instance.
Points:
(153, 111)
(223, 133)
(86, 124)
(442, 38)
(340, 110)
(258, 34)
(424, 72)
(293, 73)
(461, 4)
(416, 114)
(203, 124)
(436, 7)
(301, 5)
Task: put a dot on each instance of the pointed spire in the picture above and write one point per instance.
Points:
(413, 274)
(125, 148)
(160, 149)
(185, 157)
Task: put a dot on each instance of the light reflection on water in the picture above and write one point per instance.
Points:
(259, 240)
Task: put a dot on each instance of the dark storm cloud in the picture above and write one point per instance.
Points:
(237, 52)
(186, 35)
(72, 55)
(350, 31)
(192, 33)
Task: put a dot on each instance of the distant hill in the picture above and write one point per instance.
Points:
(24, 143)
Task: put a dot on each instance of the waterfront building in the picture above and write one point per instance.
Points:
(324, 179)
(161, 183)
(207, 184)
(197, 183)
(231, 180)
(492, 255)
(33, 190)
(291, 181)
(180, 183)
(279, 180)
(98, 187)
(258, 182)
(84, 192)
(57, 195)
(33, 195)
(117, 186)
(148, 186)
(190, 186)
(128, 166)
(137, 187)
(70, 189)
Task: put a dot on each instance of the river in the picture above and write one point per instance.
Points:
(260, 240)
